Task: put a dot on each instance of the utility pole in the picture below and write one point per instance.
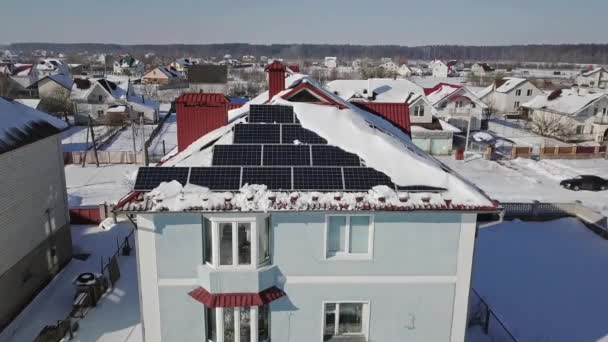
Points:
(86, 149)
(466, 143)
(93, 139)
(144, 148)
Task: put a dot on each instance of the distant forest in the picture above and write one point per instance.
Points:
(567, 53)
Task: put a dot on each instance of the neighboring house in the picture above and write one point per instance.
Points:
(350, 234)
(455, 65)
(596, 78)
(129, 66)
(427, 131)
(35, 237)
(390, 66)
(508, 94)
(405, 71)
(457, 105)
(440, 69)
(182, 64)
(331, 62)
(32, 103)
(54, 86)
(481, 69)
(24, 75)
(52, 66)
(93, 98)
(163, 76)
(208, 78)
(583, 115)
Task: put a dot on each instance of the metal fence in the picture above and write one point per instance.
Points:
(481, 315)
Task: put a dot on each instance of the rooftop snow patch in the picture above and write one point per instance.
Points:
(21, 125)
(509, 84)
(569, 102)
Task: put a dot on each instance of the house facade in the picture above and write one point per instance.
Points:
(245, 235)
(457, 105)
(129, 66)
(596, 78)
(52, 66)
(578, 114)
(481, 69)
(507, 95)
(35, 237)
(331, 62)
(163, 76)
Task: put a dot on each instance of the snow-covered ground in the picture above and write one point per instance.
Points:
(93, 185)
(168, 134)
(123, 141)
(526, 180)
(115, 319)
(546, 281)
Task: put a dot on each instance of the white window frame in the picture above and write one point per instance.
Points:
(529, 92)
(518, 92)
(516, 104)
(365, 319)
(253, 324)
(215, 246)
(348, 255)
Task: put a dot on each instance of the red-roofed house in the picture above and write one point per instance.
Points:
(457, 105)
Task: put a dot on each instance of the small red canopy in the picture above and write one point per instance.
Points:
(230, 300)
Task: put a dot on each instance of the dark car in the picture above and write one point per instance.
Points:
(585, 182)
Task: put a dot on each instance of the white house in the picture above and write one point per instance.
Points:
(35, 237)
(352, 234)
(390, 67)
(439, 69)
(579, 114)
(52, 66)
(405, 71)
(508, 94)
(331, 62)
(163, 75)
(55, 86)
(429, 133)
(182, 64)
(481, 69)
(129, 66)
(596, 78)
(457, 105)
(93, 98)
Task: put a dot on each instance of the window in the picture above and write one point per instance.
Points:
(516, 104)
(225, 243)
(605, 111)
(344, 319)
(458, 104)
(518, 92)
(100, 98)
(235, 324)
(349, 235)
(244, 243)
(529, 92)
(207, 241)
(580, 129)
(472, 105)
(418, 110)
(236, 242)
(264, 242)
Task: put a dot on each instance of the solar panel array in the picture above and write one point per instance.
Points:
(274, 150)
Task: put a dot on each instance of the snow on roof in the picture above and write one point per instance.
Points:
(569, 102)
(443, 91)
(32, 103)
(117, 109)
(447, 127)
(356, 131)
(591, 72)
(385, 90)
(509, 84)
(21, 125)
(22, 69)
(484, 92)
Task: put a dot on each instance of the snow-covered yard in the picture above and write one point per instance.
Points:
(116, 317)
(123, 141)
(93, 185)
(168, 134)
(526, 180)
(75, 138)
(546, 281)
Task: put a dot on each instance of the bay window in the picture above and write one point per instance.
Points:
(236, 242)
(342, 319)
(238, 324)
(349, 236)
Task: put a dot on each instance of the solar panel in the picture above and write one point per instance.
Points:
(257, 134)
(275, 178)
(271, 114)
(292, 133)
(286, 155)
(317, 178)
(237, 155)
(216, 178)
(325, 155)
(149, 178)
(364, 178)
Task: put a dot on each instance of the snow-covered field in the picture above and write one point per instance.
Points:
(123, 141)
(168, 134)
(75, 138)
(546, 281)
(115, 319)
(93, 185)
(526, 180)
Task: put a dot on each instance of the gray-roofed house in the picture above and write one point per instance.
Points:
(35, 240)
(129, 66)
(595, 78)
(163, 75)
(208, 78)
(508, 94)
(481, 69)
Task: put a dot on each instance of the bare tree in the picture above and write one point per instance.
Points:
(58, 103)
(6, 86)
(551, 125)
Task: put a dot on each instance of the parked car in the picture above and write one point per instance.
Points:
(585, 182)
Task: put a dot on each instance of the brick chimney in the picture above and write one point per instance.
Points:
(199, 114)
(276, 78)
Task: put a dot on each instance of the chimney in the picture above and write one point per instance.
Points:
(199, 114)
(276, 78)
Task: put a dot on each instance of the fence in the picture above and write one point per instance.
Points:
(480, 314)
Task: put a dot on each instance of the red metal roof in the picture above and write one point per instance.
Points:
(230, 300)
(275, 66)
(202, 99)
(396, 113)
(438, 86)
(305, 85)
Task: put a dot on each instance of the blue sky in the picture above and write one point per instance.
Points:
(403, 22)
